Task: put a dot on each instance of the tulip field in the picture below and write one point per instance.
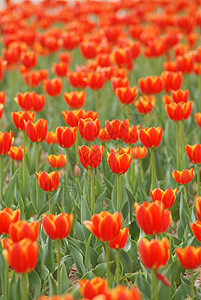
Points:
(100, 150)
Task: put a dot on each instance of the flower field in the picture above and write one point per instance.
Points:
(100, 150)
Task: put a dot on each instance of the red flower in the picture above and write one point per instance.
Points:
(196, 229)
(89, 129)
(145, 104)
(179, 111)
(29, 59)
(120, 241)
(66, 136)
(78, 79)
(89, 289)
(21, 117)
(194, 153)
(38, 102)
(185, 63)
(53, 87)
(25, 101)
(171, 81)
(75, 99)
(72, 117)
(48, 182)
(88, 49)
(152, 218)
(119, 163)
(183, 177)
(118, 82)
(132, 136)
(180, 95)
(7, 217)
(122, 292)
(151, 137)
(16, 153)
(1, 110)
(90, 157)
(36, 132)
(139, 152)
(51, 137)
(123, 57)
(167, 197)
(198, 207)
(103, 135)
(198, 119)
(60, 69)
(57, 227)
(95, 80)
(21, 230)
(150, 85)
(56, 161)
(189, 257)
(2, 97)
(116, 129)
(6, 140)
(126, 95)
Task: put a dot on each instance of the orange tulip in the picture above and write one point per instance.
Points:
(185, 63)
(145, 104)
(21, 230)
(7, 217)
(189, 257)
(126, 95)
(122, 292)
(132, 136)
(116, 129)
(151, 137)
(152, 218)
(88, 49)
(51, 137)
(154, 254)
(150, 85)
(6, 140)
(198, 119)
(118, 82)
(78, 79)
(21, 257)
(38, 102)
(89, 289)
(180, 95)
(36, 132)
(139, 152)
(56, 161)
(198, 207)
(57, 227)
(196, 229)
(90, 157)
(75, 99)
(103, 135)
(90, 114)
(171, 81)
(183, 177)
(16, 153)
(66, 136)
(2, 97)
(179, 111)
(167, 197)
(64, 57)
(60, 69)
(35, 77)
(48, 182)
(104, 225)
(95, 80)
(70, 40)
(89, 129)
(120, 241)
(72, 117)
(53, 87)
(56, 297)
(194, 153)
(29, 59)
(25, 101)
(123, 57)
(21, 117)
(119, 163)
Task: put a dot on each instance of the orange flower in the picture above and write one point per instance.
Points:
(179, 111)
(194, 153)
(75, 99)
(36, 132)
(56, 297)
(167, 197)
(90, 157)
(56, 161)
(21, 117)
(35, 77)
(6, 140)
(38, 102)
(189, 257)
(144, 104)
(21, 230)
(119, 163)
(122, 292)
(89, 129)
(66, 136)
(198, 119)
(72, 117)
(1, 110)
(89, 289)
(29, 59)
(90, 114)
(60, 69)
(70, 40)
(57, 227)
(118, 82)
(2, 97)
(154, 254)
(88, 49)
(95, 80)
(151, 137)
(116, 129)
(132, 136)
(196, 229)
(185, 63)
(150, 85)
(51, 137)
(64, 57)
(123, 57)
(198, 207)
(48, 182)
(78, 79)
(53, 87)
(126, 95)
(25, 101)
(104, 225)
(171, 81)
(103, 135)
(21, 257)
(139, 152)
(180, 95)
(7, 217)
(16, 153)
(120, 241)
(183, 177)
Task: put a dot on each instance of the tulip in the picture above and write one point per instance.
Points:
(56, 161)
(150, 85)
(198, 207)
(60, 69)
(90, 157)
(36, 132)
(183, 177)
(196, 229)
(51, 137)
(21, 117)
(72, 117)
(117, 130)
(103, 135)
(167, 197)
(126, 95)
(122, 292)
(139, 152)
(132, 136)
(91, 288)
(179, 111)
(78, 79)
(145, 104)
(89, 129)
(21, 230)
(180, 95)
(119, 82)
(198, 119)
(25, 101)
(75, 99)
(16, 153)
(38, 102)
(53, 87)
(7, 217)
(29, 59)
(171, 81)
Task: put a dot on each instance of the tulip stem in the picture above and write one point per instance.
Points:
(50, 202)
(153, 169)
(119, 190)
(76, 150)
(97, 102)
(58, 268)
(118, 268)
(128, 111)
(67, 168)
(192, 286)
(6, 280)
(154, 285)
(198, 179)
(24, 286)
(1, 177)
(119, 147)
(92, 192)
(177, 129)
(141, 171)
(107, 249)
(37, 169)
(24, 165)
(185, 194)
(183, 137)
(55, 112)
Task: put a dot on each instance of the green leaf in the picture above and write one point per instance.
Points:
(64, 279)
(48, 256)
(87, 254)
(52, 285)
(34, 284)
(143, 285)
(78, 258)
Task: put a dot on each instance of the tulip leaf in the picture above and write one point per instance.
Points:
(74, 290)
(52, 285)
(78, 258)
(126, 261)
(143, 285)
(100, 269)
(9, 191)
(99, 202)
(20, 202)
(87, 256)
(48, 257)
(34, 284)
(64, 279)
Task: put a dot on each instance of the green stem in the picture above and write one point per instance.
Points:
(55, 113)
(119, 190)
(198, 179)
(67, 168)
(107, 249)
(97, 102)
(92, 192)
(29, 150)
(37, 169)
(183, 137)
(128, 111)
(192, 286)
(118, 268)
(185, 193)
(6, 280)
(154, 285)
(141, 171)
(153, 169)
(177, 129)
(24, 286)
(24, 165)
(76, 150)
(50, 202)
(119, 146)
(1, 176)
(58, 269)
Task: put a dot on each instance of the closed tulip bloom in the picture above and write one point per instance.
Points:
(151, 137)
(119, 163)
(116, 129)
(90, 114)
(51, 137)
(21, 117)
(126, 95)
(118, 82)
(95, 80)
(48, 182)
(123, 57)
(132, 136)
(53, 87)
(145, 104)
(36, 132)
(103, 135)
(22, 229)
(154, 254)
(198, 207)
(38, 102)
(78, 79)
(6, 140)
(139, 152)
(150, 85)
(120, 241)
(88, 49)
(72, 117)
(60, 69)
(196, 229)
(66, 136)
(189, 257)
(29, 59)
(21, 257)
(167, 197)
(180, 95)
(57, 227)
(16, 153)
(25, 101)
(90, 157)
(56, 161)
(198, 119)
(183, 177)
(75, 99)
(152, 218)
(122, 292)
(194, 153)
(185, 63)
(104, 225)
(7, 217)
(89, 129)
(89, 289)
(179, 111)
(171, 81)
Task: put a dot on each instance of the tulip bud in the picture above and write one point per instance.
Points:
(77, 171)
